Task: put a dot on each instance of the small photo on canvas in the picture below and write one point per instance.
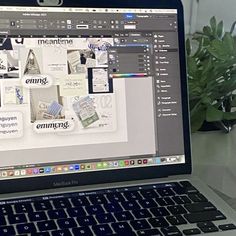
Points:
(46, 104)
(31, 61)
(79, 60)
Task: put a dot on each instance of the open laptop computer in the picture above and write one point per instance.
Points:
(94, 127)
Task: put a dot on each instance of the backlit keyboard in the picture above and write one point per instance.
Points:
(170, 209)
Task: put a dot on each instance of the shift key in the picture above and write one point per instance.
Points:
(204, 216)
(200, 207)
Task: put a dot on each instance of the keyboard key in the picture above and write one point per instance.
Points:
(148, 203)
(57, 214)
(194, 231)
(181, 199)
(82, 231)
(42, 206)
(113, 207)
(94, 210)
(23, 208)
(64, 232)
(123, 216)
(205, 224)
(2, 221)
(184, 189)
(176, 220)
(159, 211)
(197, 198)
(76, 212)
(130, 195)
(149, 232)
(42, 234)
(130, 205)
(102, 229)
(121, 228)
(46, 225)
(80, 201)
(7, 230)
(66, 223)
(165, 201)
(176, 210)
(17, 219)
(86, 221)
(201, 206)
(105, 218)
(227, 227)
(204, 216)
(62, 203)
(171, 231)
(115, 197)
(185, 184)
(37, 216)
(6, 210)
(140, 224)
(159, 222)
(149, 193)
(26, 228)
(179, 190)
(98, 199)
(165, 192)
(140, 214)
(209, 229)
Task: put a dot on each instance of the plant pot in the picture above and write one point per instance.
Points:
(224, 126)
(208, 126)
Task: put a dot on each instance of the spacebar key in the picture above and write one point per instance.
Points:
(204, 216)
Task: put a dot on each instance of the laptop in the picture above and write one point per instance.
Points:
(94, 125)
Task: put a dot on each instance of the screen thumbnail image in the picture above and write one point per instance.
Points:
(9, 64)
(46, 104)
(31, 65)
(78, 59)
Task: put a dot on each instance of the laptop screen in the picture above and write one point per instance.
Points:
(85, 90)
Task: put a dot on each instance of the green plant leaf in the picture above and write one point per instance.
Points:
(213, 114)
(198, 119)
(229, 116)
(206, 42)
(192, 66)
(233, 27)
(220, 28)
(188, 47)
(234, 101)
(228, 44)
(213, 25)
(217, 50)
(207, 31)
(200, 47)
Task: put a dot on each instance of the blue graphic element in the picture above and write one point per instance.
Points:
(129, 16)
(77, 167)
(19, 96)
(54, 108)
(48, 170)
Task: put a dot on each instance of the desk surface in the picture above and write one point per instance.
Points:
(230, 201)
(214, 162)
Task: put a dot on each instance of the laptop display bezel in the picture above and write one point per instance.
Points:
(46, 182)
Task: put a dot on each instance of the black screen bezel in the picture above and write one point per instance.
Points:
(81, 179)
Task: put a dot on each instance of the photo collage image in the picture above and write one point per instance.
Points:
(59, 87)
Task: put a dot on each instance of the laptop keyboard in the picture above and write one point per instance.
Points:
(170, 209)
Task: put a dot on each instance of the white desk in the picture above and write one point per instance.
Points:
(214, 162)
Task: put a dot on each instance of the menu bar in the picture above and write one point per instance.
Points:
(97, 10)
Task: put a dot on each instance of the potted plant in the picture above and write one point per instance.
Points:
(212, 77)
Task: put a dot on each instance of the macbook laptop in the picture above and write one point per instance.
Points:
(94, 126)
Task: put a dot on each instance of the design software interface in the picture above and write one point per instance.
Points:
(88, 90)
